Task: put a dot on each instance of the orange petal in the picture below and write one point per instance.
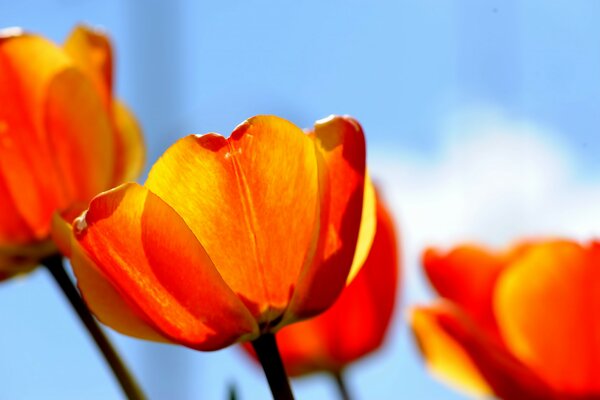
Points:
(106, 303)
(460, 353)
(547, 305)
(341, 144)
(27, 66)
(357, 322)
(91, 51)
(80, 137)
(129, 144)
(252, 201)
(13, 228)
(467, 275)
(152, 259)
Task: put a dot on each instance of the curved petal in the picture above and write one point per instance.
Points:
(547, 305)
(368, 226)
(467, 276)
(252, 201)
(106, 303)
(129, 145)
(13, 228)
(152, 259)
(91, 51)
(458, 351)
(27, 66)
(80, 138)
(341, 144)
(357, 322)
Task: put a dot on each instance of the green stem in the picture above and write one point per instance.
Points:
(54, 264)
(341, 385)
(268, 355)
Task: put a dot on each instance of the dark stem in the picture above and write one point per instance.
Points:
(341, 385)
(268, 355)
(54, 264)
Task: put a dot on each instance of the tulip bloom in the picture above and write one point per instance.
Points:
(357, 323)
(228, 239)
(518, 325)
(63, 138)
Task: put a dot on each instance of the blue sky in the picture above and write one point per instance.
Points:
(415, 73)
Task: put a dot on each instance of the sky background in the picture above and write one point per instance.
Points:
(482, 122)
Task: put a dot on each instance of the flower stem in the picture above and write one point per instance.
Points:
(341, 385)
(54, 264)
(268, 354)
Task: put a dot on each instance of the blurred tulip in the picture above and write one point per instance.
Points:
(357, 322)
(63, 138)
(517, 325)
(229, 238)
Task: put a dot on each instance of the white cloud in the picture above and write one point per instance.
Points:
(496, 180)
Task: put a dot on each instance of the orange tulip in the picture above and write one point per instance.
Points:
(518, 325)
(228, 238)
(63, 138)
(357, 323)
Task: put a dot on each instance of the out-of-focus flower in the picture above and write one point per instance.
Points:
(63, 137)
(228, 238)
(518, 325)
(357, 322)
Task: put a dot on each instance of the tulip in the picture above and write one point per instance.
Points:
(521, 324)
(228, 239)
(63, 138)
(356, 324)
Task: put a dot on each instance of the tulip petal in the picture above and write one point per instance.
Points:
(152, 259)
(368, 227)
(13, 228)
(341, 144)
(547, 304)
(129, 144)
(106, 303)
(458, 351)
(444, 355)
(91, 51)
(252, 201)
(467, 276)
(80, 137)
(27, 66)
(357, 322)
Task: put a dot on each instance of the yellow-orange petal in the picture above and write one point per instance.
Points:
(464, 355)
(129, 144)
(91, 51)
(252, 201)
(27, 66)
(444, 356)
(153, 260)
(80, 137)
(547, 304)
(368, 227)
(105, 302)
(341, 145)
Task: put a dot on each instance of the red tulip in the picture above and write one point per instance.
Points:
(517, 325)
(229, 238)
(63, 138)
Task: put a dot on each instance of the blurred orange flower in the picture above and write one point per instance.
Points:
(518, 325)
(357, 322)
(228, 238)
(63, 137)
